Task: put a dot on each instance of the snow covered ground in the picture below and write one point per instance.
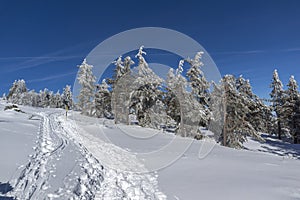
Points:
(46, 156)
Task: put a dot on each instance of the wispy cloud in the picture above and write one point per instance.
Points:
(53, 77)
(40, 60)
(240, 52)
(256, 51)
(291, 50)
(35, 61)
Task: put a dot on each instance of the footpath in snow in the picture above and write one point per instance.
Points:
(56, 164)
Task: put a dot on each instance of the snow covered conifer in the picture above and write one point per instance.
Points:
(67, 97)
(17, 91)
(122, 67)
(259, 114)
(87, 81)
(103, 100)
(146, 92)
(197, 80)
(55, 100)
(290, 99)
(127, 64)
(44, 98)
(277, 96)
(236, 124)
(170, 99)
(296, 121)
(191, 116)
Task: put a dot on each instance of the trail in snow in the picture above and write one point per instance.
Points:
(70, 163)
(121, 180)
(36, 178)
(33, 179)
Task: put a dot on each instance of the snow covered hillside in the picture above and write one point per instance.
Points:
(46, 156)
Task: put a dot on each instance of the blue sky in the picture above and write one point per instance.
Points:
(43, 41)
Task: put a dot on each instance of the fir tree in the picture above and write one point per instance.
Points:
(190, 113)
(146, 92)
(67, 97)
(170, 99)
(121, 68)
(197, 80)
(289, 106)
(277, 96)
(259, 114)
(103, 100)
(236, 122)
(296, 121)
(87, 81)
(17, 91)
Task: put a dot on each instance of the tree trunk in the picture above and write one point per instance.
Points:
(279, 129)
(225, 127)
(225, 115)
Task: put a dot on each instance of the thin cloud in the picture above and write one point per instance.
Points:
(58, 76)
(37, 61)
(240, 52)
(256, 51)
(59, 55)
(291, 50)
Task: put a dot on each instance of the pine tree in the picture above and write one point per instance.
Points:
(122, 67)
(277, 96)
(171, 101)
(67, 98)
(197, 80)
(44, 98)
(296, 121)
(103, 100)
(289, 105)
(216, 105)
(190, 113)
(57, 100)
(17, 91)
(236, 124)
(127, 64)
(259, 114)
(87, 81)
(146, 92)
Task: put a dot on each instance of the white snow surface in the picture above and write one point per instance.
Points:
(46, 156)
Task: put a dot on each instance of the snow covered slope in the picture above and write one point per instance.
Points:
(46, 156)
(52, 163)
(224, 173)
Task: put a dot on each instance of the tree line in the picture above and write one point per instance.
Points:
(181, 102)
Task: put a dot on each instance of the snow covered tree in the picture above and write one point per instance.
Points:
(170, 99)
(295, 121)
(67, 98)
(87, 81)
(103, 100)
(56, 101)
(147, 91)
(122, 67)
(290, 99)
(236, 124)
(34, 98)
(17, 91)
(197, 80)
(127, 64)
(191, 115)
(277, 96)
(216, 105)
(44, 98)
(259, 114)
